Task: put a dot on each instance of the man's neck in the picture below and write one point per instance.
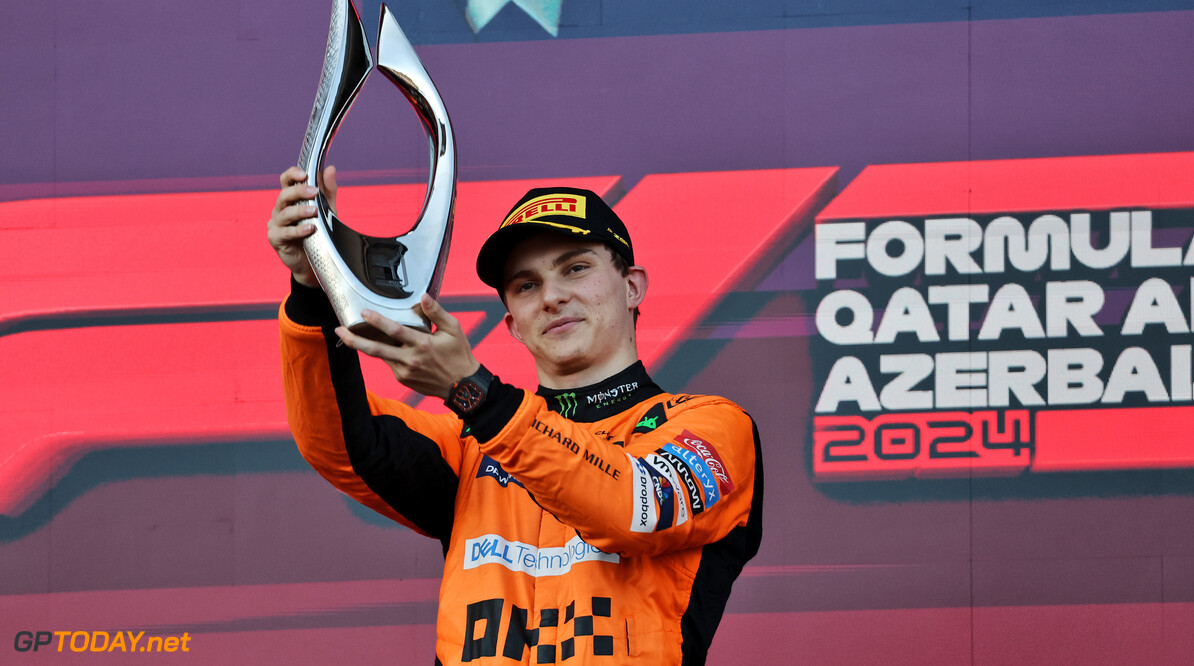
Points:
(569, 378)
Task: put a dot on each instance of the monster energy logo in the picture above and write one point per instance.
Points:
(567, 403)
(610, 396)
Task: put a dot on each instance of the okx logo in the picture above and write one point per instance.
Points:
(544, 639)
(566, 402)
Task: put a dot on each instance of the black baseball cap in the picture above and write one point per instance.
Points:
(571, 211)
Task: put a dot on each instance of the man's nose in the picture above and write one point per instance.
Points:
(555, 293)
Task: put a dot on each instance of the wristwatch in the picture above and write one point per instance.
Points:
(467, 394)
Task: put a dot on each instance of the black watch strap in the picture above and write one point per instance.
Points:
(466, 395)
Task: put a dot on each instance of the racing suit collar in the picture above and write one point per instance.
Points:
(595, 402)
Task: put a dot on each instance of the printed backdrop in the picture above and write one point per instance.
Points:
(942, 253)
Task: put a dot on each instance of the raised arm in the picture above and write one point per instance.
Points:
(394, 459)
(685, 484)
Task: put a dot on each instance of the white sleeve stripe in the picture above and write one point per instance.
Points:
(644, 517)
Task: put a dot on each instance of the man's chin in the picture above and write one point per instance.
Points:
(569, 361)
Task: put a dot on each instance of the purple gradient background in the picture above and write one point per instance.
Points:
(112, 97)
(134, 92)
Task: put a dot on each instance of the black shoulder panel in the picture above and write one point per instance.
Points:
(721, 563)
(404, 467)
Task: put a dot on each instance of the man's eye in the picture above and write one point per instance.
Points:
(525, 286)
(576, 268)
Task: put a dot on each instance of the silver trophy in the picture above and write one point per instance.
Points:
(385, 274)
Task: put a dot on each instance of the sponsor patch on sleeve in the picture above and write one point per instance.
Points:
(664, 494)
(710, 457)
(687, 481)
(678, 492)
(644, 517)
(697, 466)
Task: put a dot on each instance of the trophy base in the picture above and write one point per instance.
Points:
(367, 330)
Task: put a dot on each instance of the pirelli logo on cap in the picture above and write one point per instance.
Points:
(548, 204)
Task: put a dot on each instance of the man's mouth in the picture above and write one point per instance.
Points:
(562, 325)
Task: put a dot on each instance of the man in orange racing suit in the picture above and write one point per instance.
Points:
(598, 520)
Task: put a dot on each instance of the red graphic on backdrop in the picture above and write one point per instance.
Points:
(137, 320)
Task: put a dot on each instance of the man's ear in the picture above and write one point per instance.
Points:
(512, 327)
(636, 286)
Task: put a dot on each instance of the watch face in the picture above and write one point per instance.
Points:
(466, 396)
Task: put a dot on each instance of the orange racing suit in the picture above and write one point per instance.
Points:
(600, 525)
